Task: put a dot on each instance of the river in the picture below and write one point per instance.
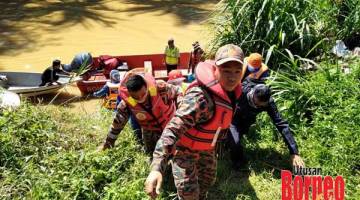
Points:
(33, 33)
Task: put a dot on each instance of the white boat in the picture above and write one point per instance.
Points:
(27, 83)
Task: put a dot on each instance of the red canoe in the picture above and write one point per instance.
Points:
(150, 61)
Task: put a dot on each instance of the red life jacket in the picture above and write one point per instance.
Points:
(160, 113)
(108, 63)
(204, 136)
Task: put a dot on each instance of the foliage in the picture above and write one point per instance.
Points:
(47, 153)
(324, 109)
(303, 27)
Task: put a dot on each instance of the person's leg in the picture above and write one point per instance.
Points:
(185, 174)
(236, 149)
(136, 128)
(206, 167)
(170, 67)
(148, 139)
(173, 67)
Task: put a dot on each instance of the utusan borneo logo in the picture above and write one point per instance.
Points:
(308, 183)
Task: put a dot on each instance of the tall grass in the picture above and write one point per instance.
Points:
(302, 27)
(324, 109)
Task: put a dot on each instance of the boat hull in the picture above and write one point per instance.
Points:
(27, 83)
(158, 69)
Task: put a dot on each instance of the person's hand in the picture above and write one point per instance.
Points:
(297, 161)
(109, 143)
(153, 184)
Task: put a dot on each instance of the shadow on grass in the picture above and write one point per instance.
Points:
(232, 184)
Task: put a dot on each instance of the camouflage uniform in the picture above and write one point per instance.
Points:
(194, 171)
(167, 92)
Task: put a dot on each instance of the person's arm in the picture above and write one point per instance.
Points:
(283, 127)
(169, 92)
(61, 71)
(102, 92)
(190, 62)
(196, 107)
(175, 93)
(120, 120)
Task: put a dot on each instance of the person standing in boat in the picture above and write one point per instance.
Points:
(153, 103)
(172, 56)
(50, 75)
(196, 56)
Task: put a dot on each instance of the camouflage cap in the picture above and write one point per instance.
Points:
(227, 53)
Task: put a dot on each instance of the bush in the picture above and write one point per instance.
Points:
(303, 27)
(324, 109)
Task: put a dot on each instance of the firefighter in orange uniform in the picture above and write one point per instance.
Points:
(201, 120)
(151, 102)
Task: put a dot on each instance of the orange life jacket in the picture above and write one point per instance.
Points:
(110, 99)
(253, 75)
(160, 113)
(204, 136)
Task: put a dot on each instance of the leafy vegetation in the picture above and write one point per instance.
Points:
(47, 153)
(306, 28)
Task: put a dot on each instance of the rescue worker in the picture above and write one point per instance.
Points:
(171, 56)
(254, 68)
(201, 120)
(176, 78)
(81, 60)
(51, 74)
(151, 102)
(196, 55)
(110, 90)
(256, 98)
(108, 63)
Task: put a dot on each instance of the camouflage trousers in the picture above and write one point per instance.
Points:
(150, 138)
(194, 172)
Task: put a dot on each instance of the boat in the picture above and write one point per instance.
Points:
(27, 83)
(150, 62)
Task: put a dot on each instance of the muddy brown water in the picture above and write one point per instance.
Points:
(33, 33)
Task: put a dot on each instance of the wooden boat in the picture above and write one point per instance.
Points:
(27, 83)
(151, 62)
